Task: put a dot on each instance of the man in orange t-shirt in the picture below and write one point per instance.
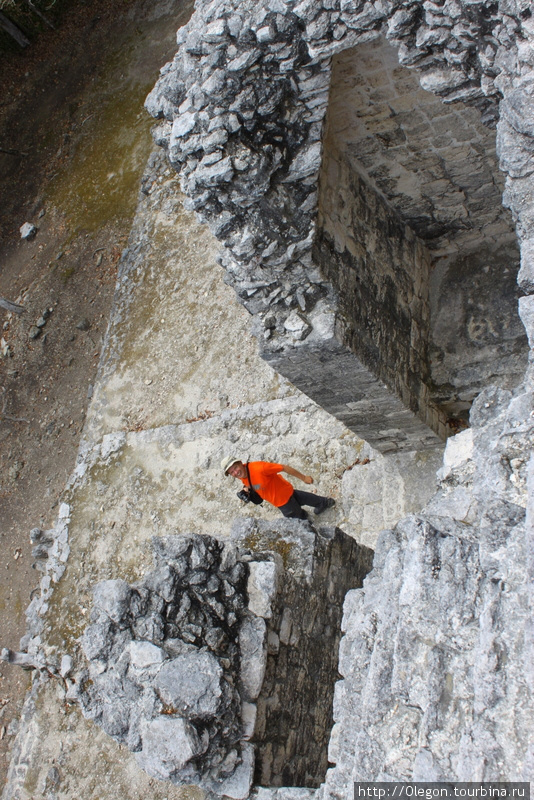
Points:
(266, 480)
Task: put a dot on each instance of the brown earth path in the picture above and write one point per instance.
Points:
(71, 109)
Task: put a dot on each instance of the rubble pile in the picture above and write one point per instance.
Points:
(242, 107)
(168, 664)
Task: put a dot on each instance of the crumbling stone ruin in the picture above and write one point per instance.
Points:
(223, 645)
(367, 168)
(156, 680)
(344, 155)
(437, 652)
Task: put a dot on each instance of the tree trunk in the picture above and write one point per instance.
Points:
(15, 32)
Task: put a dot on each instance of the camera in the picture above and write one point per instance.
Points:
(244, 496)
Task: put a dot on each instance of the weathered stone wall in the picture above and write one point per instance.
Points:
(437, 677)
(457, 702)
(166, 407)
(380, 271)
(223, 650)
(294, 707)
(244, 101)
(436, 657)
(456, 581)
(330, 374)
(435, 161)
(174, 661)
(476, 336)
(436, 164)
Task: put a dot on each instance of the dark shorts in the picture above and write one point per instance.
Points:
(293, 508)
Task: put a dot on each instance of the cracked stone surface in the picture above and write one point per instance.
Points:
(149, 465)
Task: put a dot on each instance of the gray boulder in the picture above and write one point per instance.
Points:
(191, 684)
(253, 647)
(113, 598)
(168, 744)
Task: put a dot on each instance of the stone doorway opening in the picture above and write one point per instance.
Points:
(413, 235)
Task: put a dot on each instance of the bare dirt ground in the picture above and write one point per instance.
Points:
(72, 121)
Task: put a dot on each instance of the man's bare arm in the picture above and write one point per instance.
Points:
(296, 474)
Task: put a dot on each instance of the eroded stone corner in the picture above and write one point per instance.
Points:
(188, 666)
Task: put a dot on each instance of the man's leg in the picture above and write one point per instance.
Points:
(318, 502)
(292, 509)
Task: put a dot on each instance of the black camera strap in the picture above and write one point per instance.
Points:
(253, 494)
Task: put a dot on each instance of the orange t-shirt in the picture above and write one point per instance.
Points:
(268, 483)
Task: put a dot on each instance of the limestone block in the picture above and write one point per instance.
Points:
(248, 717)
(168, 744)
(27, 231)
(400, 22)
(518, 106)
(307, 9)
(526, 312)
(215, 83)
(214, 31)
(238, 785)
(442, 80)
(96, 641)
(431, 36)
(306, 162)
(514, 150)
(297, 325)
(113, 720)
(252, 644)
(244, 61)
(285, 626)
(66, 666)
(525, 277)
(113, 598)
(145, 654)
(262, 587)
(265, 34)
(191, 683)
(211, 174)
(366, 19)
(458, 450)
(273, 643)
(457, 504)
(318, 28)
(181, 126)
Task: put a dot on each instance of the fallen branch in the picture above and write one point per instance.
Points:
(41, 16)
(10, 152)
(9, 306)
(13, 30)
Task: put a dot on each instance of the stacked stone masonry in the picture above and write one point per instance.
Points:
(243, 106)
(435, 162)
(222, 660)
(435, 168)
(436, 658)
(294, 707)
(380, 271)
(165, 675)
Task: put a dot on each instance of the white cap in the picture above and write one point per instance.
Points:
(228, 462)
